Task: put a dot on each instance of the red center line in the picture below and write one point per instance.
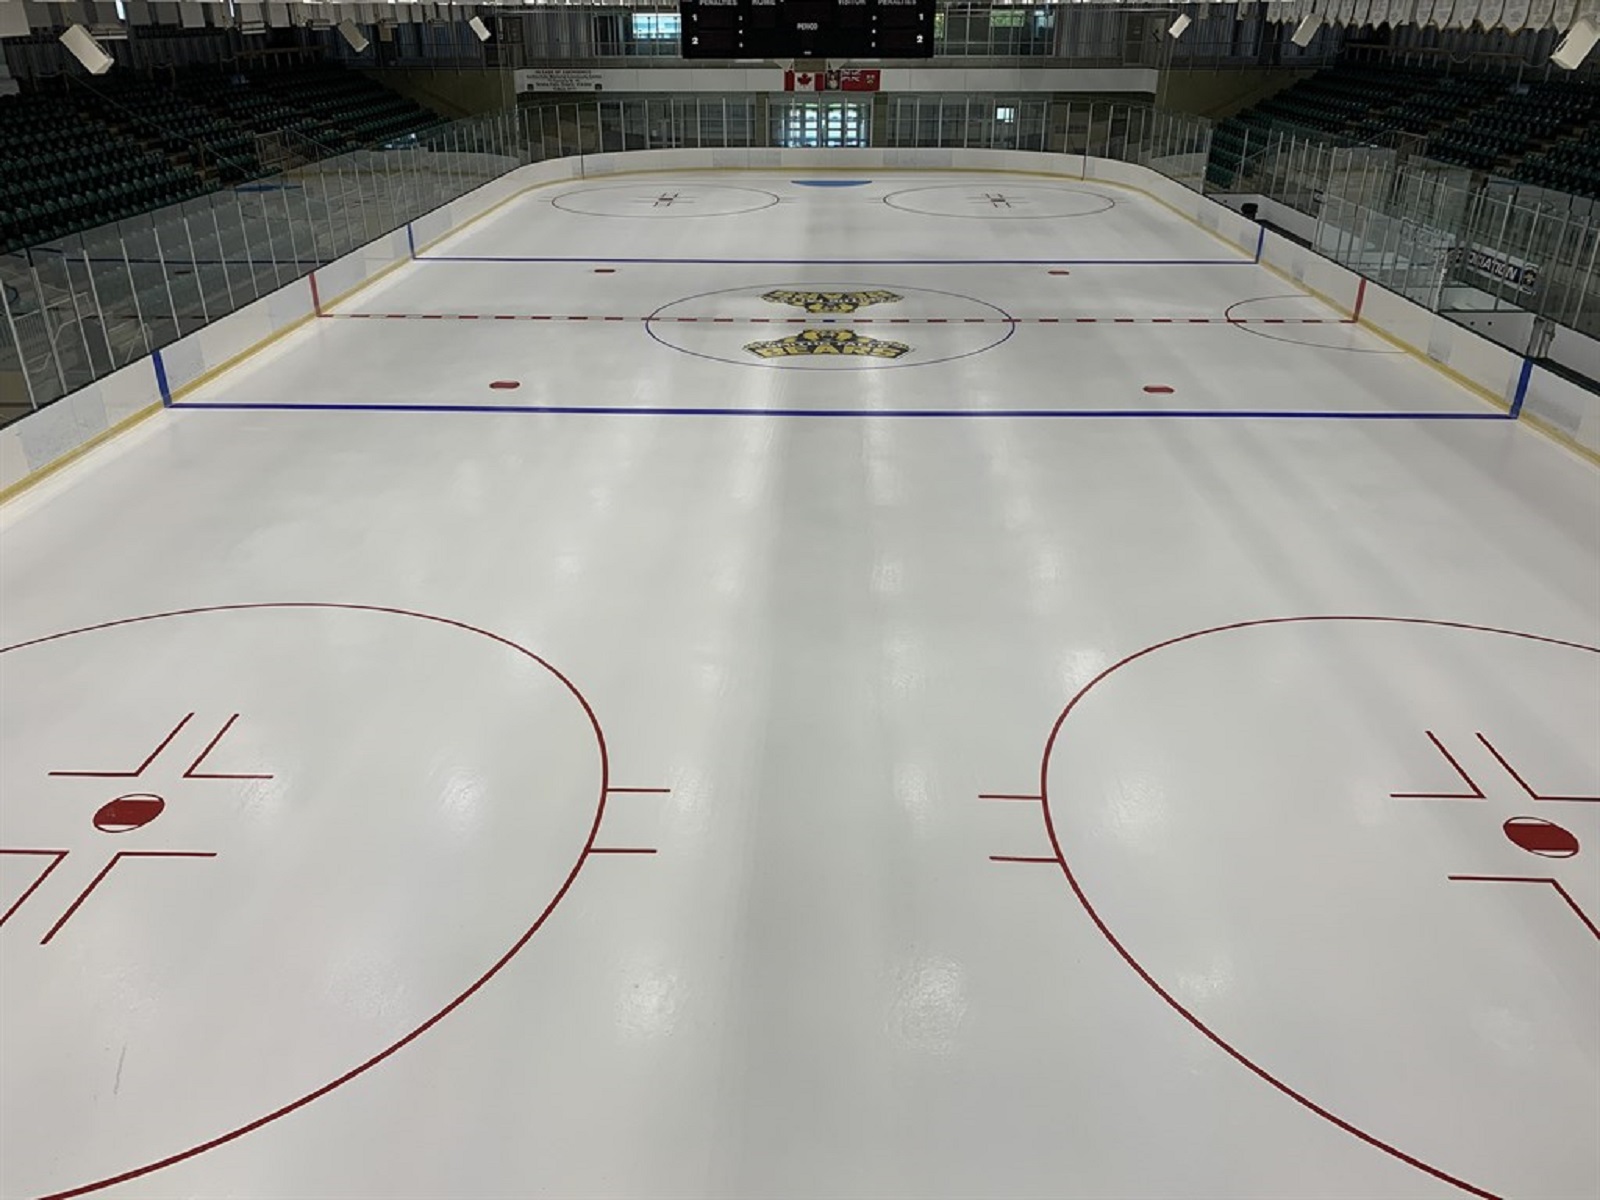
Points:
(842, 320)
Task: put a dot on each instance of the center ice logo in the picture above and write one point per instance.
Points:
(828, 341)
(831, 302)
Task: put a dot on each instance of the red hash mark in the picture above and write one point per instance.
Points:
(1523, 783)
(1555, 883)
(194, 771)
(621, 850)
(106, 870)
(1475, 792)
(142, 767)
(55, 857)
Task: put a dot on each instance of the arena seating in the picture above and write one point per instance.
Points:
(63, 169)
(1485, 122)
(75, 157)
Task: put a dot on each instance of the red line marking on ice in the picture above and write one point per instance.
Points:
(194, 771)
(1523, 783)
(639, 791)
(56, 856)
(493, 970)
(1024, 858)
(1555, 883)
(316, 298)
(141, 768)
(1139, 969)
(106, 870)
(1009, 796)
(505, 385)
(1475, 794)
(1361, 299)
(621, 850)
(1158, 389)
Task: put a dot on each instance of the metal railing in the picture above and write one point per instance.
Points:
(1456, 241)
(76, 309)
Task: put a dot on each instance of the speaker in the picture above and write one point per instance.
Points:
(1575, 47)
(1175, 30)
(352, 35)
(86, 50)
(1306, 30)
(478, 27)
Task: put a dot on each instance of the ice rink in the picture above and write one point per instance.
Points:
(757, 685)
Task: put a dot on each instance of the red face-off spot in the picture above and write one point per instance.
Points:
(127, 813)
(1544, 838)
(1158, 389)
(505, 385)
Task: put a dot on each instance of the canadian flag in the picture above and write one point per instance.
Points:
(802, 81)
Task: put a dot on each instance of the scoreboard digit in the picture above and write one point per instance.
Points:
(832, 29)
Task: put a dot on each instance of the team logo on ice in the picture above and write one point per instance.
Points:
(830, 302)
(828, 341)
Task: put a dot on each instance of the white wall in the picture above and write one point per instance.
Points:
(35, 442)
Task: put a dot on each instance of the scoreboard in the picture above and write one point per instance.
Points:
(784, 29)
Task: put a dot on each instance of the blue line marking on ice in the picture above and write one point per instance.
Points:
(852, 262)
(905, 413)
(161, 378)
(1522, 388)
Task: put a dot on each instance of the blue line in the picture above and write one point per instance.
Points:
(604, 410)
(161, 379)
(858, 262)
(1522, 389)
(411, 240)
(1261, 242)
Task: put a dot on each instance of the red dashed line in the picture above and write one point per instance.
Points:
(845, 320)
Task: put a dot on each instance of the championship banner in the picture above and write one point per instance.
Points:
(832, 81)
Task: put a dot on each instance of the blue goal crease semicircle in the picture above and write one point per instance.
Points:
(830, 182)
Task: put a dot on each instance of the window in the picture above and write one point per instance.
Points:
(1004, 113)
(656, 27)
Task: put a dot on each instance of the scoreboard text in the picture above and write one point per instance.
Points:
(786, 29)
